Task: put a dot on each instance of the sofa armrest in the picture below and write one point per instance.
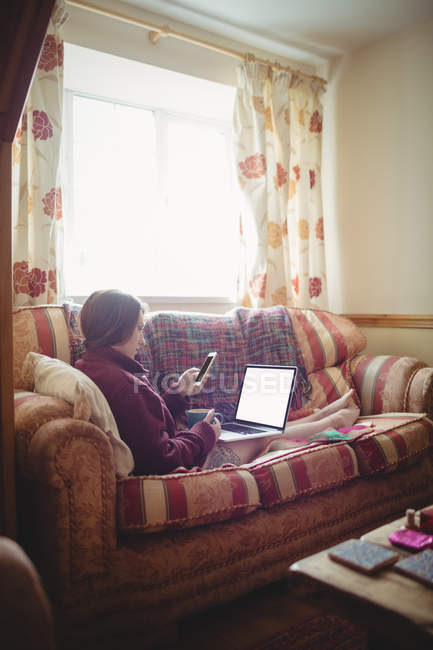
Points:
(387, 384)
(68, 502)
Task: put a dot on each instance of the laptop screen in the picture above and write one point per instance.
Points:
(266, 394)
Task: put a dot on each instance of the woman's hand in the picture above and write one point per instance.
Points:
(185, 385)
(216, 425)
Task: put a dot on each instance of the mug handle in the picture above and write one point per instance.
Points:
(218, 416)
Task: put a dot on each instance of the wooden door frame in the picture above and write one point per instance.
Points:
(23, 25)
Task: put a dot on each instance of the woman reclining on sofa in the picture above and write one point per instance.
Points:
(112, 323)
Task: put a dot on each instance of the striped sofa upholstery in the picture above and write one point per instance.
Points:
(387, 384)
(49, 329)
(42, 329)
(328, 342)
(331, 348)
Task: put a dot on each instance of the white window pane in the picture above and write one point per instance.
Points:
(201, 210)
(114, 195)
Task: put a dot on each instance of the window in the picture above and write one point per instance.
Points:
(151, 205)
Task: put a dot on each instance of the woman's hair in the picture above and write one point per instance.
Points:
(108, 317)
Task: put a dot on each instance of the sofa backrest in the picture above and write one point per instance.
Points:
(178, 340)
(48, 329)
(325, 339)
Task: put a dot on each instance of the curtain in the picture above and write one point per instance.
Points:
(37, 216)
(277, 141)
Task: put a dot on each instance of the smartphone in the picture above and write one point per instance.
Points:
(205, 367)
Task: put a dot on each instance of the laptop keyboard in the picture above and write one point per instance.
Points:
(239, 428)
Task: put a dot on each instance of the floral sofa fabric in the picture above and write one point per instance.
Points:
(214, 534)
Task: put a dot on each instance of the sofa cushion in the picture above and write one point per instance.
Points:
(330, 384)
(304, 471)
(58, 379)
(399, 439)
(325, 339)
(39, 329)
(148, 504)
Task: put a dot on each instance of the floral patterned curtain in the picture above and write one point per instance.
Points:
(37, 225)
(278, 126)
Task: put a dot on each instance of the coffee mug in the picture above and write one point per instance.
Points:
(196, 415)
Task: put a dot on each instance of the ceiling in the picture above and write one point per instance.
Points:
(314, 31)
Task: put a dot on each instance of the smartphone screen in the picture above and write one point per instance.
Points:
(205, 367)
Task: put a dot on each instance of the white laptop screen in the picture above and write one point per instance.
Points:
(265, 395)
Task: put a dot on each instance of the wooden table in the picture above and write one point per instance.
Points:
(396, 610)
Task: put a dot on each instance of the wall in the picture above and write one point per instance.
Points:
(378, 189)
(112, 36)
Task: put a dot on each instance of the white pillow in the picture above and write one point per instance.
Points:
(58, 379)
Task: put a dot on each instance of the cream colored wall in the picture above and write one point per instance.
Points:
(115, 37)
(416, 343)
(378, 186)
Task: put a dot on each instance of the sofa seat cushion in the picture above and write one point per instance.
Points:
(399, 439)
(304, 471)
(148, 504)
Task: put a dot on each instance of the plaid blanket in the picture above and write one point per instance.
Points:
(177, 341)
(76, 341)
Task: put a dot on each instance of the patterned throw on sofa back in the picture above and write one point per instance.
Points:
(177, 341)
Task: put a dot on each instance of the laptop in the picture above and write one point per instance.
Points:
(263, 402)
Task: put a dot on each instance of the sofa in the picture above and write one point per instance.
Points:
(124, 559)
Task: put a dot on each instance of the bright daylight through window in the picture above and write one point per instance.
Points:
(151, 205)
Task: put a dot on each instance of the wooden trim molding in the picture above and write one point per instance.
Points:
(423, 321)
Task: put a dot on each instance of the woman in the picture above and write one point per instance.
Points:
(112, 324)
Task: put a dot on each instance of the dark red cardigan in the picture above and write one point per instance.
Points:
(144, 418)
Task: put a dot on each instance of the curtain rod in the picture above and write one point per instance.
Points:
(157, 31)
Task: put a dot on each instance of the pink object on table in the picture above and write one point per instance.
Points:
(413, 540)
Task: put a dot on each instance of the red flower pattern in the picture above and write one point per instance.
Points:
(295, 285)
(254, 166)
(31, 282)
(312, 178)
(316, 122)
(319, 229)
(53, 203)
(24, 122)
(281, 176)
(315, 287)
(49, 58)
(21, 277)
(258, 285)
(42, 127)
(297, 171)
